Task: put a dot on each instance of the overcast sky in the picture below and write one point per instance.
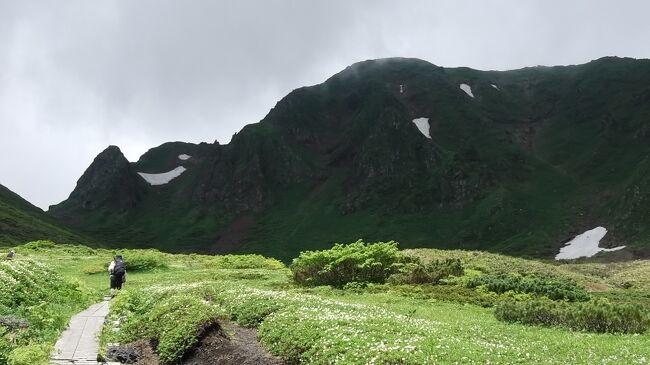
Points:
(76, 76)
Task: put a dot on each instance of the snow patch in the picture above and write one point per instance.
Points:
(423, 126)
(401, 89)
(494, 86)
(183, 157)
(585, 245)
(467, 89)
(163, 178)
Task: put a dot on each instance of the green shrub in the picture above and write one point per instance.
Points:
(556, 289)
(243, 262)
(39, 245)
(29, 355)
(356, 262)
(599, 316)
(174, 319)
(353, 286)
(534, 312)
(603, 316)
(430, 273)
(35, 304)
(145, 260)
(448, 293)
(50, 247)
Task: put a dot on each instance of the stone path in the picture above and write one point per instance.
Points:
(79, 343)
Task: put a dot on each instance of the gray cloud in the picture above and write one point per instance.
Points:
(76, 76)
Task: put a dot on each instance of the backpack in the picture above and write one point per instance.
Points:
(120, 268)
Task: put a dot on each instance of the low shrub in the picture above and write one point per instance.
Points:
(603, 316)
(173, 319)
(243, 262)
(356, 262)
(29, 355)
(35, 305)
(552, 288)
(353, 286)
(430, 273)
(39, 245)
(145, 260)
(599, 316)
(448, 293)
(49, 246)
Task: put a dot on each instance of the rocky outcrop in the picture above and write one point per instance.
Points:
(110, 183)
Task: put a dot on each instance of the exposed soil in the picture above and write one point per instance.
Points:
(226, 344)
(238, 346)
(147, 355)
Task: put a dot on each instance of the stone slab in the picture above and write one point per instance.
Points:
(79, 343)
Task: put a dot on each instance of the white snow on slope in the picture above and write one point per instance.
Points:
(494, 86)
(585, 245)
(423, 126)
(183, 157)
(467, 89)
(163, 178)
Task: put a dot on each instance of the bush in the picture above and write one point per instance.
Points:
(29, 355)
(49, 247)
(431, 273)
(556, 289)
(356, 262)
(599, 316)
(448, 293)
(244, 262)
(35, 304)
(173, 319)
(39, 245)
(145, 260)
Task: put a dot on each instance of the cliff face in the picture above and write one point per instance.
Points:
(514, 161)
(110, 183)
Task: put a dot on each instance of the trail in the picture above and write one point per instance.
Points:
(79, 343)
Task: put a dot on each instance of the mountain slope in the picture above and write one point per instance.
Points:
(517, 162)
(21, 222)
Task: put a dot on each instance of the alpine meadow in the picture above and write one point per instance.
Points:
(371, 208)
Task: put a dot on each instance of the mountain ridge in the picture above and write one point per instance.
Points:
(510, 166)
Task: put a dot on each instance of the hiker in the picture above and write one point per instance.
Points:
(117, 271)
(11, 254)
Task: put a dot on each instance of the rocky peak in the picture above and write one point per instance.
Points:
(110, 181)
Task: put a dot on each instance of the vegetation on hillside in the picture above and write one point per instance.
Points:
(517, 169)
(22, 222)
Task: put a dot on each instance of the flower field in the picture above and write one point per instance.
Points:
(177, 297)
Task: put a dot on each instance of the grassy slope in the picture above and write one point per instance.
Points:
(308, 220)
(452, 332)
(22, 222)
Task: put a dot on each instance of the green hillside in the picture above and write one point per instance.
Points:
(530, 159)
(22, 222)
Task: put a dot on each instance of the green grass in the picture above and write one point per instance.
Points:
(35, 305)
(406, 324)
(22, 222)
